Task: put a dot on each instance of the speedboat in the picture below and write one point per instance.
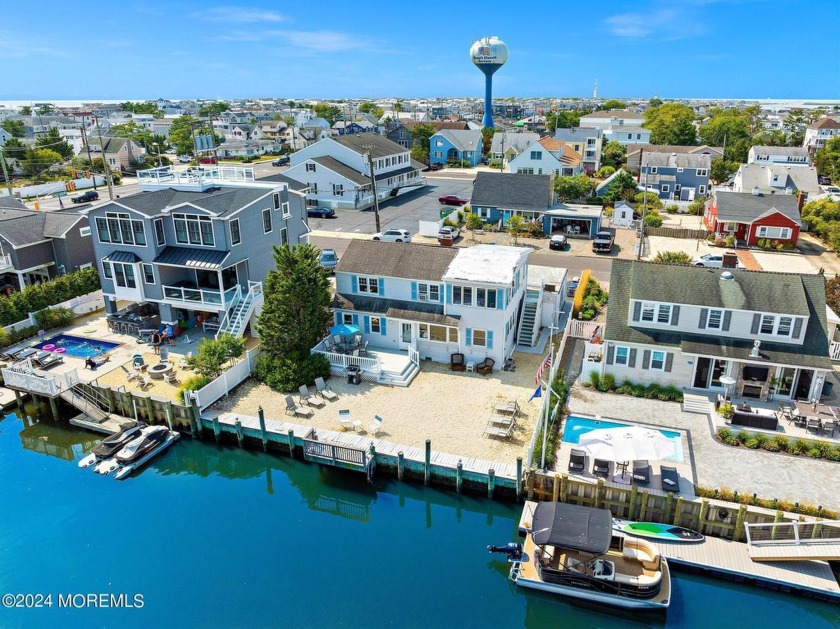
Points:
(112, 444)
(570, 551)
(149, 438)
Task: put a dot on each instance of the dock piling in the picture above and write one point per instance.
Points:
(491, 482)
(217, 431)
(54, 408)
(519, 479)
(459, 476)
(263, 432)
(427, 472)
(239, 435)
(400, 465)
(292, 443)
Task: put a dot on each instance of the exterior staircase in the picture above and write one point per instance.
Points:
(87, 400)
(693, 403)
(401, 379)
(528, 326)
(237, 318)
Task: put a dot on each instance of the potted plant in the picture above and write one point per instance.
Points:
(774, 383)
(726, 410)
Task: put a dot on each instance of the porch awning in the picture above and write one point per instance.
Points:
(770, 353)
(396, 309)
(126, 257)
(193, 258)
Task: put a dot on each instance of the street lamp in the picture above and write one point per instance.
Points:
(158, 153)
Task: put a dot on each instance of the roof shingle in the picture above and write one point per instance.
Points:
(394, 259)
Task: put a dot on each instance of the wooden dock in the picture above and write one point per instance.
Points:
(823, 551)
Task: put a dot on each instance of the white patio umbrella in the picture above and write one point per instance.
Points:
(629, 443)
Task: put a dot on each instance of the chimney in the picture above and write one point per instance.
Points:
(800, 201)
(756, 192)
(788, 190)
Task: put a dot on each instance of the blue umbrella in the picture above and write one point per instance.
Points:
(345, 329)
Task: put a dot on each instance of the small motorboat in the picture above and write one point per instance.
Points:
(169, 437)
(149, 438)
(112, 444)
(106, 466)
(656, 530)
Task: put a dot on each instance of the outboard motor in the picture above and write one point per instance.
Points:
(513, 550)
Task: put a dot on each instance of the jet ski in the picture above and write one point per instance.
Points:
(150, 437)
(112, 444)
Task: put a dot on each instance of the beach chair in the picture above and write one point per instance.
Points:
(130, 375)
(345, 421)
(170, 377)
(184, 362)
(485, 366)
(670, 479)
(143, 381)
(577, 461)
(50, 360)
(601, 467)
(641, 472)
(376, 425)
(309, 399)
(294, 409)
(324, 390)
(508, 408)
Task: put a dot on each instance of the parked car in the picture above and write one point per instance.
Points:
(603, 242)
(709, 260)
(558, 242)
(451, 199)
(170, 152)
(86, 197)
(393, 235)
(435, 167)
(283, 160)
(329, 259)
(320, 212)
(823, 180)
(207, 160)
(832, 189)
(184, 159)
(447, 231)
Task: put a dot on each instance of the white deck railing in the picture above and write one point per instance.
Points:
(23, 376)
(204, 296)
(793, 533)
(582, 329)
(222, 385)
(834, 351)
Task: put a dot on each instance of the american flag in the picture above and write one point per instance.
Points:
(545, 365)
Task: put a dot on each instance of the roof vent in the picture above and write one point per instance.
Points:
(727, 276)
(756, 192)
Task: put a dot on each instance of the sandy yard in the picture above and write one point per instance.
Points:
(449, 408)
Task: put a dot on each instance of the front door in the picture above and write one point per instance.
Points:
(701, 373)
(803, 384)
(406, 334)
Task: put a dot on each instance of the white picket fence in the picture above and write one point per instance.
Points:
(221, 386)
(79, 305)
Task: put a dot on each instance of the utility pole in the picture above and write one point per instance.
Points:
(5, 172)
(373, 186)
(105, 166)
(642, 226)
(87, 146)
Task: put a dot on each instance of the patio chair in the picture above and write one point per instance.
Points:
(812, 423)
(308, 398)
(829, 426)
(670, 479)
(577, 461)
(324, 390)
(329, 345)
(785, 412)
(50, 360)
(130, 375)
(143, 381)
(345, 420)
(485, 366)
(294, 409)
(601, 467)
(170, 377)
(641, 472)
(376, 425)
(184, 361)
(456, 362)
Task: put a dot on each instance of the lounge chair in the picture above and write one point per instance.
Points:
(376, 425)
(577, 461)
(143, 381)
(170, 377)
(308, 398)
(324, 390)
(345, 420)
(294, 409)
(50, 360)
(641, 472)
(670, 479)
(509, 408)
(601, 467)
(184, 362)
(456, 362)
(130, 375)
(485, 366)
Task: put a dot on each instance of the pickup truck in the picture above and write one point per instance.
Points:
(603, 242)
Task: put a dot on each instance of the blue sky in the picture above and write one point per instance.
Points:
(220, 49)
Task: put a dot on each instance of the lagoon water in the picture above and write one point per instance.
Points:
(219, 537)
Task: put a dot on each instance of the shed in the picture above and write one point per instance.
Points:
(583, 220)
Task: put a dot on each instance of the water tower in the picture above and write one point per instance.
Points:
(489, 54)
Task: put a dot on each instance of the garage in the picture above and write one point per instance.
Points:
(573, 220)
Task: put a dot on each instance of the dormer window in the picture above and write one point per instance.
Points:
(715, 319)
(664, 314)
(648, 311)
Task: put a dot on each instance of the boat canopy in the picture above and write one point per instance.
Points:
(572, 526)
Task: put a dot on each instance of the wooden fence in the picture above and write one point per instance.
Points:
(677, 232)
(715, 518)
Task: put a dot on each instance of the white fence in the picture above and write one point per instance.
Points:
(583, 329)
(222, 385)
(25, 377)
(79, 305)
(44, 189)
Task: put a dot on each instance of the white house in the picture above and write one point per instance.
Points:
(625, 127)
(547, 156)
(337, 174)
(776, 178)
(787, 155)
(820, 132)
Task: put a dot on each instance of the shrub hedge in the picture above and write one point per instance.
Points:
(653, 391)
(778, 443)
(17, 306)
(780, 505)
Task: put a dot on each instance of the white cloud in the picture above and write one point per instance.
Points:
(240, 15)
(305, 41)
(11, 47)
(666, 24)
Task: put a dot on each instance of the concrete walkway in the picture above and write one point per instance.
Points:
(768, 474)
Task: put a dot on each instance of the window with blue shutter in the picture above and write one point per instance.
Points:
(489, 339)
(337, 316)
(469, 336)
(500, 299)
(355, 319)
(384, 326)
(414, 291)
(449, 293)
(381, 286)
(354, 283)
(367, 325)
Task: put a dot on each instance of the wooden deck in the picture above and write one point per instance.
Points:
(825, 551)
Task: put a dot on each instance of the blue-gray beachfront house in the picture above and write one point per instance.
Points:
(453, 145)
(198, 244)
(676, 176)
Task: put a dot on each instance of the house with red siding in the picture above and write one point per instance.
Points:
(755, 216)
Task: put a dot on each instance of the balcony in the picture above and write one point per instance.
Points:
(192, 296)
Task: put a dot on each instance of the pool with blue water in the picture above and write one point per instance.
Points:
(577, 426)
(77, 346)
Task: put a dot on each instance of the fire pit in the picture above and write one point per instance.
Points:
(156, 372)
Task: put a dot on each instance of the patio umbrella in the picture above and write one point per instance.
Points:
(345, 329)
(628, 443)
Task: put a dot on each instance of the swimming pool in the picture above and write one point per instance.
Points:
(76, 346)
(574, 427)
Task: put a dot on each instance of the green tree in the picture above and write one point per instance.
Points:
(731, 126)
(214, 353)
(671, 124)
(613, 154)
(474, 221)
(721, 170)
(52, 140)
(516, 225)
(330, 113)
(398, 106)
(774, 138)
(289, 120)
(26, 110)
(613, 103)
(420, 153)
(605, 172)
(827, 159)
(823, 216)
(832, 293)
(655, 102)
(653, 200)
(697, 207)
(420, 136)
(295, 317)
(212, 110)
(371, 108)
(37, 161)
(181, 133)
(14, 149)
(622, 187)
(141, 108)
(672, 257)
(571, 188)
(132, 130)
(487, 134)
(44, 109)
(15, 127)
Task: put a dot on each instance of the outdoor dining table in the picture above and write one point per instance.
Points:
(817, 417)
